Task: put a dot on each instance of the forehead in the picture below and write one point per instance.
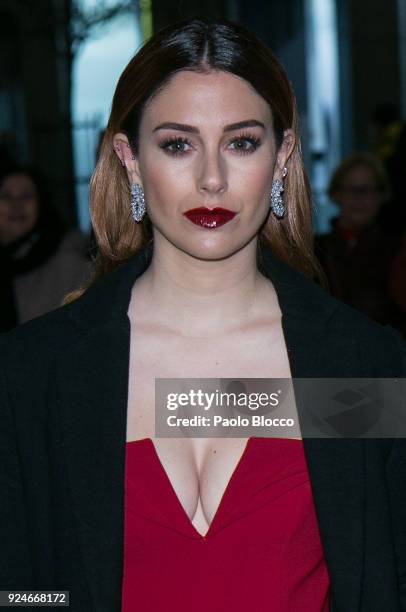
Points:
(214, 98)
(18, 181)
(360, 174)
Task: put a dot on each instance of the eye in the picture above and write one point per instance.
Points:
(246, 144)
(175, 146)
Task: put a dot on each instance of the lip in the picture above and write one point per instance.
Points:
(209, 218)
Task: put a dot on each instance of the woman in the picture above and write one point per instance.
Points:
(203, 117)
(356, 255)
(41, 260)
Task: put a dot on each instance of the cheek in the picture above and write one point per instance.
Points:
(252, 183)
(164, 183)
(253, 172)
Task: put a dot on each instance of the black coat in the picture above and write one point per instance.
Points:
(64, 388)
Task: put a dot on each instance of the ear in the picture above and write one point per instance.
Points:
(127, 158)
(284, 153)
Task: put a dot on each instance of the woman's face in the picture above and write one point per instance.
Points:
(206, 140)
(359, 197)
(18, 207)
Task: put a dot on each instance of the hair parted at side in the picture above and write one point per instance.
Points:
(201, 46)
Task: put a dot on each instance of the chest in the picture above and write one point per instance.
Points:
(198, 469)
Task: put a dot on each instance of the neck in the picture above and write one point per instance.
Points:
(201, 298)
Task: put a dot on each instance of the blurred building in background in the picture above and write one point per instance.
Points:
(60, 59)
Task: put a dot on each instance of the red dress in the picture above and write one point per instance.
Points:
(262, 551)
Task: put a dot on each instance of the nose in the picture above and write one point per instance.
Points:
(212, 174)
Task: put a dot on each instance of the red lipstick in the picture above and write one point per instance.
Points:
(209, 219)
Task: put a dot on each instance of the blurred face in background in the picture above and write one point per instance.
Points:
(18, 207)
(359, 197)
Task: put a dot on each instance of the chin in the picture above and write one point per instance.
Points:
(215, 250)
(209, 245)
(212, 253)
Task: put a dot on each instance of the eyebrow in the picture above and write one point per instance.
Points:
(182, 127)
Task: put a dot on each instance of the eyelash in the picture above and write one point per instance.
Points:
(253, 140)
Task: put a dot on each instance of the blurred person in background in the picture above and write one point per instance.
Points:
(356, 255)
(41, 259)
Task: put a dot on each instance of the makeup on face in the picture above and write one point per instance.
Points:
(206, 156)
(209, 218)
(244, 143)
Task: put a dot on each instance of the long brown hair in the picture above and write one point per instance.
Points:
(201, 46)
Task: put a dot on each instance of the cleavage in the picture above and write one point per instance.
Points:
(199, 472)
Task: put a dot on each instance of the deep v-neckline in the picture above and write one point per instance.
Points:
(178, 505)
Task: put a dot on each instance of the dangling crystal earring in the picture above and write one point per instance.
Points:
(138, 207)
(277, 205)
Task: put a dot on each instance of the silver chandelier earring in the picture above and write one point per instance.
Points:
(277, 204)
(138, 207)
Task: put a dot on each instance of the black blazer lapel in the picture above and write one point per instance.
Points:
(93, 393)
